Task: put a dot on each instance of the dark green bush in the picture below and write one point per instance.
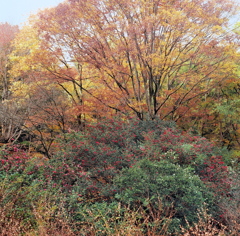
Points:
(175, 186)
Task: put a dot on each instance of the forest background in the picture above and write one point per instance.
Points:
(94, 92)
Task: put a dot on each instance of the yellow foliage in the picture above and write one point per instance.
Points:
(130, 56)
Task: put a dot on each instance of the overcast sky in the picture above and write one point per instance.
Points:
(16, 12)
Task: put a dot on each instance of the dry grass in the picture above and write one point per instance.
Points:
(9, 222)
(46, 221)
(49, 224)
(51, 220)
(231, 208)
(130, 222)
(207, 226)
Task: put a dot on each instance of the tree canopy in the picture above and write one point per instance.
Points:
(167, 59)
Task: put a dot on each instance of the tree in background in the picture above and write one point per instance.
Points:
(221, 106)
(46, 112)
(7, 34)
(9, 111)
(145, 58)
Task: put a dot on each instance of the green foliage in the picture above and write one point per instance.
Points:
(102, 216)
(157, 176)
(177, 188)
(20, 195)
(189, 151)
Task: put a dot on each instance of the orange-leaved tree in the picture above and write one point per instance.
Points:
(45, 106)
(149, 58)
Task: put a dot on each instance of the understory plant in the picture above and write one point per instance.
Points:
(178, 189)
(148, 172)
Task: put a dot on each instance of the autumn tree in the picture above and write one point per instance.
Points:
(10, 121)
(46, 112)
(224, 125)
(221, 106)
(149, 58)
(7, 34)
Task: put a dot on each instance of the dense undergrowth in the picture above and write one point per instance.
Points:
(121, 178)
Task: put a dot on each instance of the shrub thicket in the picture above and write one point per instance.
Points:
(118, 169)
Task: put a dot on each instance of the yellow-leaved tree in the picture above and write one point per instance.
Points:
(158, 58)
(149, 58)
(10, 122)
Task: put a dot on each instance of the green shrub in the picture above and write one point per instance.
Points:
(138, 163)
(177, 187)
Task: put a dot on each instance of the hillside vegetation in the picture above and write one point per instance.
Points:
(121, 178)
(121, 118)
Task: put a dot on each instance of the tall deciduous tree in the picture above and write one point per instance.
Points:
(152, 58)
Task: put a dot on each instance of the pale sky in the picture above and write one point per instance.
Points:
(16, 12)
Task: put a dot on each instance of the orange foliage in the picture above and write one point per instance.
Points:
(144, 58)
